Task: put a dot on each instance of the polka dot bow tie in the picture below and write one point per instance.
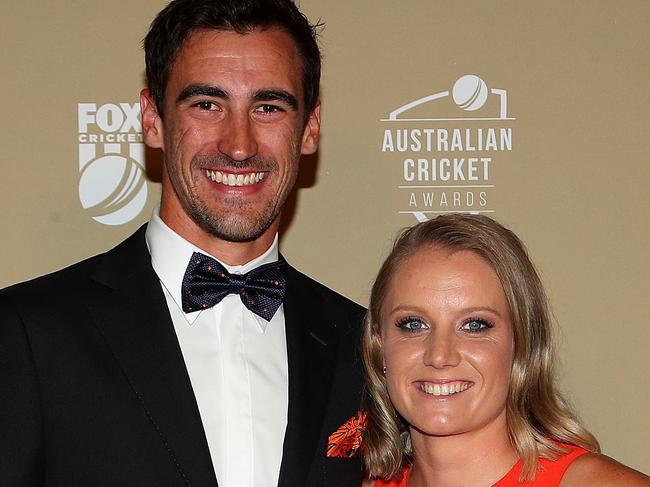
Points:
(206, 282)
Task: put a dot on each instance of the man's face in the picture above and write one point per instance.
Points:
(232, 134)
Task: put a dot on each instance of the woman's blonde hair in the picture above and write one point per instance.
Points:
(536, 412)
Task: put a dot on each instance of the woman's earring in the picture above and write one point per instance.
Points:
(384, 370)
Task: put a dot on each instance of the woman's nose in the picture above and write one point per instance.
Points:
(442, 350)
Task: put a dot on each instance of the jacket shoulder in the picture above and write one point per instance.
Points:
(313, 289)
(55, 283)
(74, 279)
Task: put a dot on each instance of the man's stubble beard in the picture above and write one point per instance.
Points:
(234, 227)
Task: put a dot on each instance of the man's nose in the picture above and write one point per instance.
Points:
(442, 350)
(238, 141)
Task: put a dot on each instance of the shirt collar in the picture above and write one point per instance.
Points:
(170, 254)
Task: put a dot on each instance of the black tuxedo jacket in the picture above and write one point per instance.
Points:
(94, 390)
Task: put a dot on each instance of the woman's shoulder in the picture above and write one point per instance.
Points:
(598, 470)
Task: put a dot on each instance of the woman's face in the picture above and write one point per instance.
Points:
(447, 341)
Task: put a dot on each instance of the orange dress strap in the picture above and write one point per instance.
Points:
(549, 472)
(394, 483)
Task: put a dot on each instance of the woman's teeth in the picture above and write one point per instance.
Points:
(230, 179)
(446, 389)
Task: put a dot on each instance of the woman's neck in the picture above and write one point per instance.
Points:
(478, 458)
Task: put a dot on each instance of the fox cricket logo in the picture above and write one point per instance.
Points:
(112, 182)
(447, 142)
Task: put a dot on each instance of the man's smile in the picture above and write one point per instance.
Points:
(231, 179)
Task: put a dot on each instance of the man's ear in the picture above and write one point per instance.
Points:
(312, 131)
(152, 125)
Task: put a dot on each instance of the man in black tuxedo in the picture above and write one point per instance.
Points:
(192, 353)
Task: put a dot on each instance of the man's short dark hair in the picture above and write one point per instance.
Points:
(174, 24)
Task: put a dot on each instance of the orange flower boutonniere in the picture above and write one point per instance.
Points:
(346, 441)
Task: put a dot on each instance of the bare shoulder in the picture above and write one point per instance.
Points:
(368, 483)
(598, 470)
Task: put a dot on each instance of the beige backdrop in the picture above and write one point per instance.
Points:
(572, 180)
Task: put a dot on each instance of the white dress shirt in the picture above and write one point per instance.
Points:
(237, 363)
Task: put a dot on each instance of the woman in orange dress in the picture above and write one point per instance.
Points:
(457, 350)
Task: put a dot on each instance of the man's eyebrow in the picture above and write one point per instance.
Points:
(202, 90)
(277, 95)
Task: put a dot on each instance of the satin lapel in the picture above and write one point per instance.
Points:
(311, 353)
(135, 321)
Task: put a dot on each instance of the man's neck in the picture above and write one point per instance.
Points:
(237, 253)
(230, 253)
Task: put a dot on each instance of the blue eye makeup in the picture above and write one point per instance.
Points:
(411, 323)
(476, 325)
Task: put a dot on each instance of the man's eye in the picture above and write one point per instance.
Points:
(206, 106)
(268, 109)
(476, 325)
(411, 323)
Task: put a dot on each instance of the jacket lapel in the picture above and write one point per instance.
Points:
(311, 353)
(134, 318)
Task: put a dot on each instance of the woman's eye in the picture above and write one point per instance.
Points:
(412, 324)
(475, 325)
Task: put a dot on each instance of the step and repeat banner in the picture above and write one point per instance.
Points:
(535, 113)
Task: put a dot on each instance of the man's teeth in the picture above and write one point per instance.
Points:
(230, 179)
(446, 389)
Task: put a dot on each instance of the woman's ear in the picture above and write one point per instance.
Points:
(377, 337)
